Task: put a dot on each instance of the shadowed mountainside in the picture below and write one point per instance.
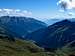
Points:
(20, 26)
(56, 35)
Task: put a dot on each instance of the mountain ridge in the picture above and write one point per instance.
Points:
(60, 30)
(21, 24)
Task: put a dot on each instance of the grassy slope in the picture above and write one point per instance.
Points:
(27, 48)
(19, 48)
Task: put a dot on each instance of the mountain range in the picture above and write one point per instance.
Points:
(20, 26)
(56, 35)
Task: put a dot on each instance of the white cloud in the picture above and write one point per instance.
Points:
(71, 14)
(61, 10)
(66, 4)
(68, 7)
(25, 11)
(15, 12)
(0, 10)
(30, 13)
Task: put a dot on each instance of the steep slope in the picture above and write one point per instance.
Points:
(21, 26)
(11, 46)
(56, 35)
(18, 47)
(60, 34)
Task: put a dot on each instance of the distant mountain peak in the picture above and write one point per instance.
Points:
(63, 22)
(66, 20)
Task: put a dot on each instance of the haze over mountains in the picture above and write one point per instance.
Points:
(52, 21)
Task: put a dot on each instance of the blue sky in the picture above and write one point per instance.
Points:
(39, 8)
